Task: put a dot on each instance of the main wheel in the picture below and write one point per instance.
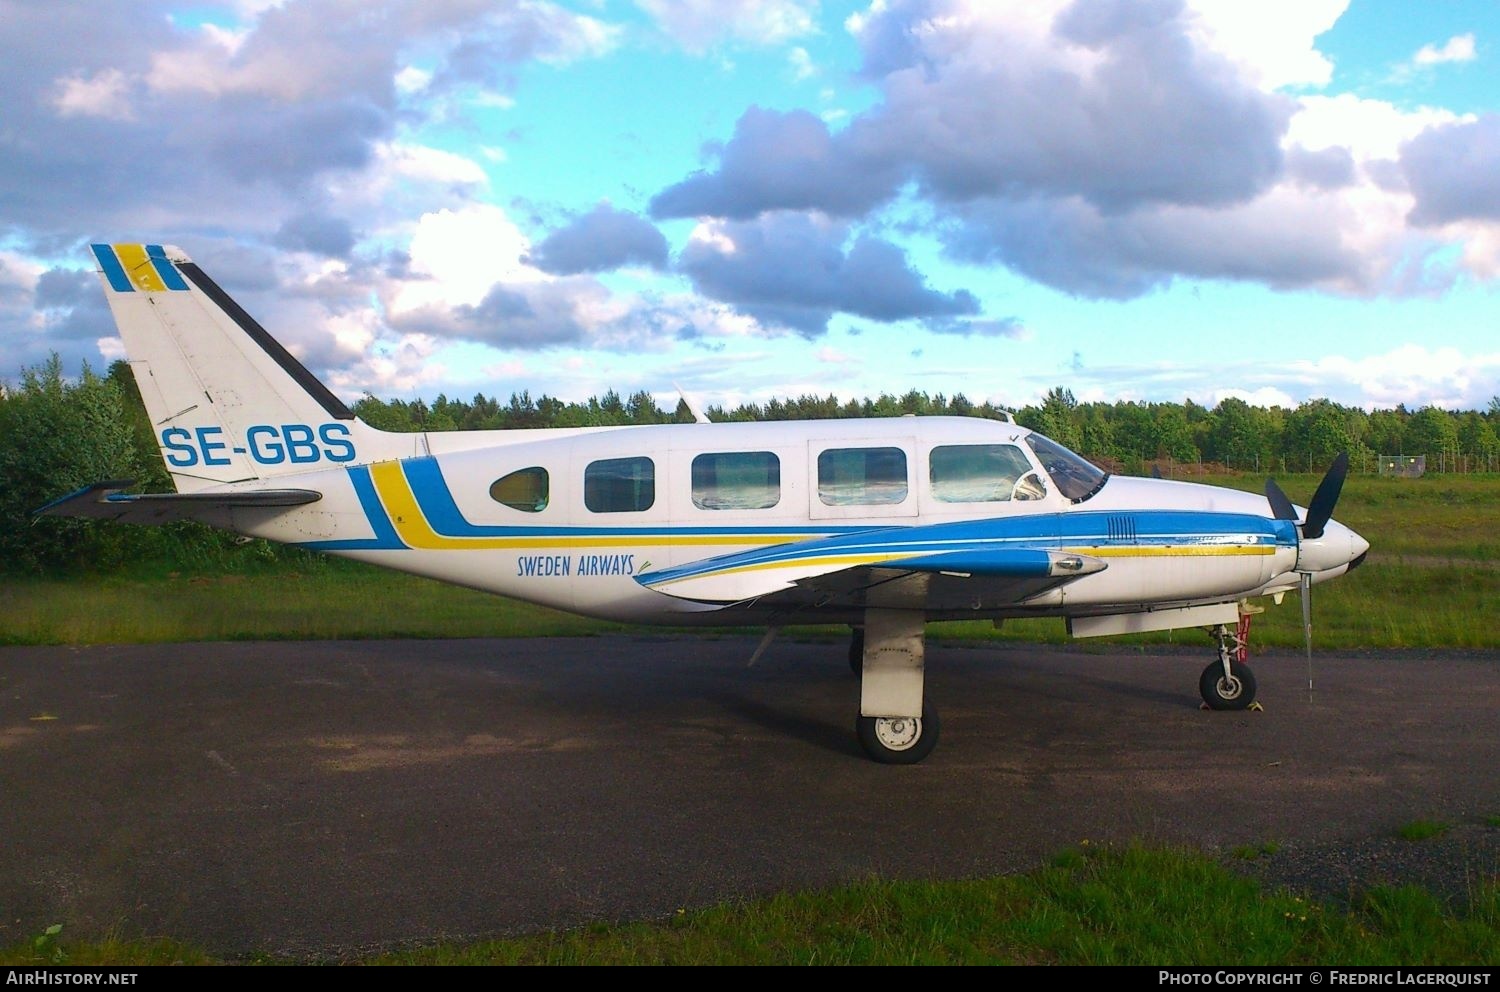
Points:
(1233, 693)
(857, 651)
(898, 740)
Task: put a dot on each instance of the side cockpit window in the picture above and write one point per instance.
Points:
(526, 490)
(619, 485)
(1074, 477)
(982, 473)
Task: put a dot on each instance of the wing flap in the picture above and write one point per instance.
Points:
(108, 501)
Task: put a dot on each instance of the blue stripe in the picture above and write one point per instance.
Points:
(113, 270)
(168, 272)
(1017, 562)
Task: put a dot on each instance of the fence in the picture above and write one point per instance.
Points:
(1402, 466)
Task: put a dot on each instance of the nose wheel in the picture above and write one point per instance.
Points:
(1231, 690)
(1227, 683)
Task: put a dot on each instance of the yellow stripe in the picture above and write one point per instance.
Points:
(414, 530)
(1175, 551)
(847, 561)
(139, 268)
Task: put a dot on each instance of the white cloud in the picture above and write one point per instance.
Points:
(1370, 129)
(408, 365)
(457, 256)
(1411, 374)
(698, 25)
(412, 80)
(1266, 396)
(802, 64)
(113, 349)
(1274, 40)
(104, 94)
(1459, 48)
(430, 165)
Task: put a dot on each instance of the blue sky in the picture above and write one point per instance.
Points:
(1152, 200)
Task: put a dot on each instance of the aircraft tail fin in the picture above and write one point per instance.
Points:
(227, 402)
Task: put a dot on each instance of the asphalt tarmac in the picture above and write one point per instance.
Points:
(330, 798)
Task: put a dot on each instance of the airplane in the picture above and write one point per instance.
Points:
(881, 524)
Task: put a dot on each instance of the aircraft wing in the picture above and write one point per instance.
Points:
(107, 501)
(962, 566)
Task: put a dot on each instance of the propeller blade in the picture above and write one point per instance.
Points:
(1306, 595)
(1280, 505)
(1321, 507)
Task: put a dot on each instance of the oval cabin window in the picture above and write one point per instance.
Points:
(525, 490)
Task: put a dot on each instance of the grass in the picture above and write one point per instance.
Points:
(1112, 906)
(1253, 852)
(334, 600)
(1423, 829)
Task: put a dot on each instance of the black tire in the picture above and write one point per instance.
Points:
(898, 740)
(1235, 693)
(857, 651)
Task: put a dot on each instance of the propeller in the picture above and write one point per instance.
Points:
(1319, 512)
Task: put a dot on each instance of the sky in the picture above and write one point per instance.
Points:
(1150, 200)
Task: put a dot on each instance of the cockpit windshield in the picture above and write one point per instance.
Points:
(1074, 477)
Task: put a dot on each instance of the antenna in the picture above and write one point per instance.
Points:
(699, 417)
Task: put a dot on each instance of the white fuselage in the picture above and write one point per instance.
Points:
(660, 502)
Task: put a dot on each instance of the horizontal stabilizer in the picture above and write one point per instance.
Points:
(108, 501)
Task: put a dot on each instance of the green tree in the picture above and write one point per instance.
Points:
(1432, 432)
(1387, 431)
(1057, 417)
(383, 416)
(641, 408)
(57, 437)
(1174, 435)
(1477, 440)
(1135, 431)
(1318, 430)
(1239, 435)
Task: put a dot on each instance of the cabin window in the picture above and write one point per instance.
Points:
(619, 485)
(525, 490)
(736, 480)
(862, 476)
(981, 473)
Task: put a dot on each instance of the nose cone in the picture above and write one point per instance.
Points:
(1337, 547)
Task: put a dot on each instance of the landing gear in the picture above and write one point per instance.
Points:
(1234, 690)
(898, 740)
(1227, 683)
(895, 725)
